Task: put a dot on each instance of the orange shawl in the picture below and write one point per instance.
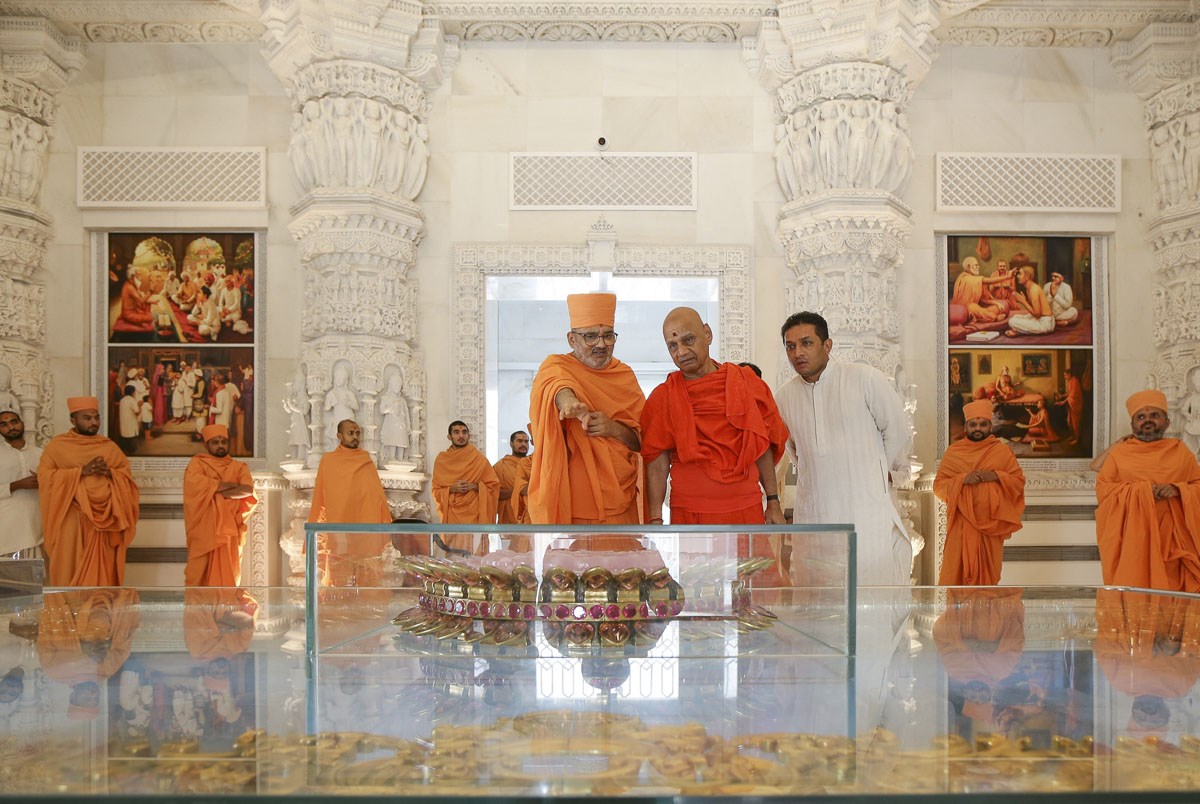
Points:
(215, 524)
(978, 517)
(1148, 644)
(348, 490)
(1146, 542)
(70, 619)
(716, 427)
(473, 507)
(205, 631)
(981, 635)
(88, 521)
(513, 473)
(574, 476)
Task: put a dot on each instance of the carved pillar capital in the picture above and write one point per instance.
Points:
(1158, 57)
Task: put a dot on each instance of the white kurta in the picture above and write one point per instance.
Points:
(127, 414)
(20, 510)
(847, 431)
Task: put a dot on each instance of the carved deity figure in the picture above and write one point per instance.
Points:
(341, 403)
(394, 430)
(295, 404)
(1191, 414)
(8, 400)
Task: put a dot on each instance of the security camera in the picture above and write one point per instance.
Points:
(602, 144)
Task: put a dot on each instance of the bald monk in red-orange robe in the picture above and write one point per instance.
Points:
(465, 488)
(585, 410)
(980, 639)
(348, 490)
(984, 490)
(715, 429)
(89, 502)
(83, 638)
(218, 496)
(1148, 490)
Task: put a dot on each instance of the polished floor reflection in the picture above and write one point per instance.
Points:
(915, 691)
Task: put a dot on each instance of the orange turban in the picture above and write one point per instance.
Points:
(979, 409)
(1146, 399)
(592, 309)
(78, 403)
(214, 431)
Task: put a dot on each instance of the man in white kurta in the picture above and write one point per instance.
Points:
(849, 440)
(20, 510)
(223, 403)
(1062, 299)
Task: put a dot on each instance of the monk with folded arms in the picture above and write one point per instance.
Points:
(348, 490)
(984, 490)
(465, 488)
(89, 502)
(1148, 490)
(513, 473)
(218, 495)
(585, 410)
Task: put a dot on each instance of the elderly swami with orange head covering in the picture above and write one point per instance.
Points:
(585, 409)
(218, 495)
(1148, 490)
(984, 490)
(89, 502)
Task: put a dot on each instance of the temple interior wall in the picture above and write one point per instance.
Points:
(560, 97)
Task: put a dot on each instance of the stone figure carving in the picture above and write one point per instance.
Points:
(341, 403)
(8, 400)
(1191, 414)
(295, 404)
(417, 163)
(394, 430)
(785, 163)
(6, 149)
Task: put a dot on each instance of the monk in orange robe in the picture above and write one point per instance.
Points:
(135, 303)
(513, 472)
(218, 496)
(983, 487)
(84, 637)
(715, 429)
(218, 623)
(465, 488)
(1072, 399)
(980, 639)
(89, 502)
(348, 490)
(585, 409)
(1148, 490)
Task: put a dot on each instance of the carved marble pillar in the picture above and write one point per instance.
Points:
(1162, 65)
(36, 61)
(358, 75)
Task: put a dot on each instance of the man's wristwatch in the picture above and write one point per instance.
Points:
(772, 498)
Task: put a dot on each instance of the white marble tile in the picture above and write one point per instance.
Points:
(763, 137)
(139, 121)
(563, 124)
(938, 83)
(987, 125)
(725, 212)
(437, 179)
(715, 69)
(1056, 74)
(983, 75)
(641, 124)
(1058, 128)
(1119, 127)
(766, 228)
(283, 188)
(487, 124)
(639, 69)
(215, 120)
(216, 69)
(932, 126)
(136, 68)
(498, 72)
(479, 194)
(574, 69)
(716, 124)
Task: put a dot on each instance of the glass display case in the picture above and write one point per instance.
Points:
(747, 683)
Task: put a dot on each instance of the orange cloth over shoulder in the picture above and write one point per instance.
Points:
(215, 524)
(576, 478)
(348, 490)
(1148, 644)
(472, 507)
(981, 635)
(218, 623)
(86, 635)
(88, 522)
(716, 427)
(979, 517)
(513, 473)
(1146, 542)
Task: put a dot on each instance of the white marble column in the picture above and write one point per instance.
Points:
(358, 75)
(36, 61)
(1162, 65)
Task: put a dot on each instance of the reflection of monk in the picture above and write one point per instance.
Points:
(84, 637)
(980, 639)
(1148, 646)
(217, 623)
(971, 291)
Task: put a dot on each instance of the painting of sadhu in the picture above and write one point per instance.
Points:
(181, 287)
(1039, 415)
(1019, 291)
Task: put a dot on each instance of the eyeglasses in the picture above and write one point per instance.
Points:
(592, 338)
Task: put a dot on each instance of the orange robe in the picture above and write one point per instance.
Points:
(513, 473)
(981, 638)
(469, 508)
(1145, 542)
(1148, 644)
(88, 521)
(135, 308)
(208, 631)
(980, 517)
(86, 635)
(215, 524)
(577, 479)
(348, 490)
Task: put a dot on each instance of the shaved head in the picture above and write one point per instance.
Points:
(688, 338)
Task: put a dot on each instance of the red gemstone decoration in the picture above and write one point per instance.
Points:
(472, 608)
(579, 612)
(631, 611)
(562, 612)
(547, 611)
(484, 608)
(661, 609)
(530, 612)
(613, 611)
(459, 607)
(514, 611)
(645, 610)
(676, 607)
(597, 611)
